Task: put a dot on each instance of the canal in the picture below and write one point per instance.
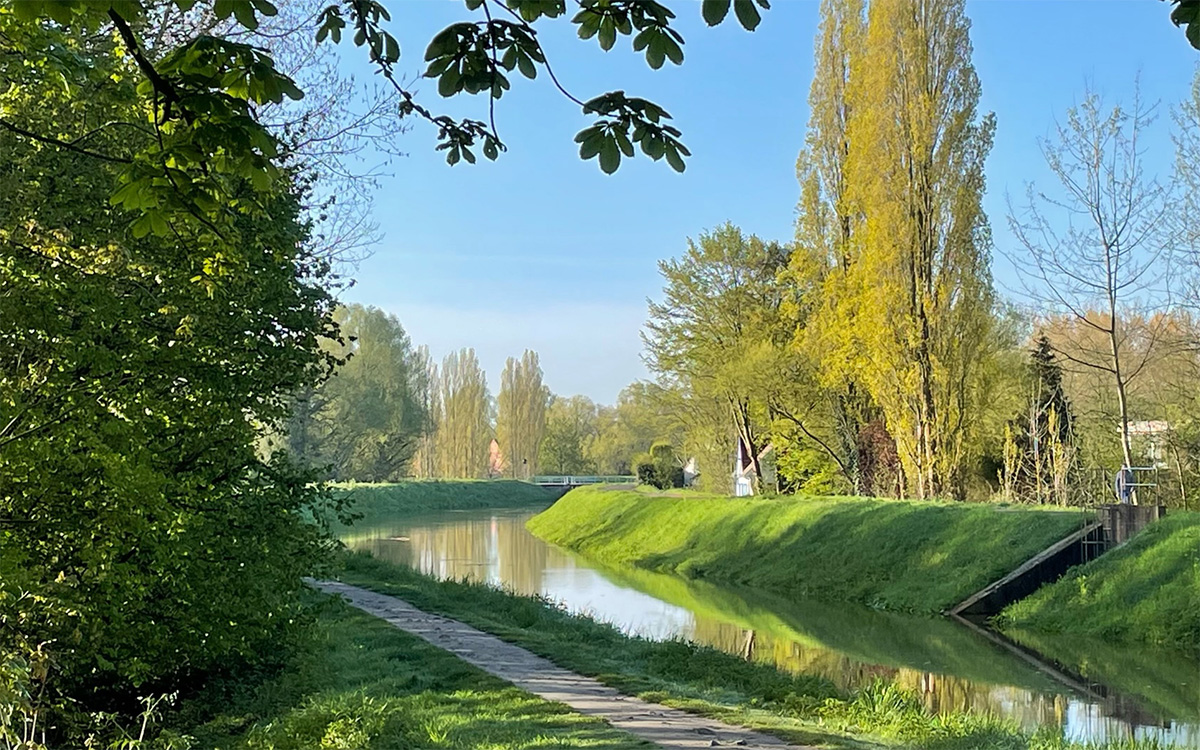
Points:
(1091, 690)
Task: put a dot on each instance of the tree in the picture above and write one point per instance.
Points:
(919, 290)
(373, 409)
(834, 410)
(425, 460)
(641, 417)
(719, 333)
(1100, 270)
(464, 426)
(1040, 443)
(521, 414)
(570, 428)
(133, 396)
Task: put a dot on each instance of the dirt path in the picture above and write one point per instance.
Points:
(665, 727)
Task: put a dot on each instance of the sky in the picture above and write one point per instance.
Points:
(542, 251)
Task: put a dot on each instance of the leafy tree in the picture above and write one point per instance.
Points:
(570, 429)
(660, 467)
(521, 414)
(918, 294)
(641, 417)
(138, 370)
(832, 413)
(719, 333)
(374, 412)
(464, 427)
(425, 465)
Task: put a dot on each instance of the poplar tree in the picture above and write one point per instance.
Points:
(521, 414)
(824, 251)
(464, 428)
(920, 288)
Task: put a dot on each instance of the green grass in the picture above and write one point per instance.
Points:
(375, 501)
(1146, 590)
(368, 685)
(918, 557)
(801, 709)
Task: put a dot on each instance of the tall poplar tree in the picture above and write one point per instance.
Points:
(824, 251)
(920, 287)
(465, 429)
(521, 414)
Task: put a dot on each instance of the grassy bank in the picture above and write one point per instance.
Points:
(432, 495)
(888, 554)
(1148, 590)
(803, 710)
(369, 685)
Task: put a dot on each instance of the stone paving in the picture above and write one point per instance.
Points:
(663, 726)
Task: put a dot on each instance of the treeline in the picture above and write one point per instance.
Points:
(873, 355)
(390, 412)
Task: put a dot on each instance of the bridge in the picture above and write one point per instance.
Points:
(569, 482)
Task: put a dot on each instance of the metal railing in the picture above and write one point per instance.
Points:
(574, 481)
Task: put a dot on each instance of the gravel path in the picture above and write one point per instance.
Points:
(665, 727)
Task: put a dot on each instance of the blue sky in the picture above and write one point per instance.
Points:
(541, 250)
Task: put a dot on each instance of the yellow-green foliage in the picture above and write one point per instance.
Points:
(1147, 590)
(890, 554)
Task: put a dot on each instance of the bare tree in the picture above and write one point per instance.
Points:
(1097, 250)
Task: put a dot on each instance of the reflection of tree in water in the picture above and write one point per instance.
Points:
(940, 693)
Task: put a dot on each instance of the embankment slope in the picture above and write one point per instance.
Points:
(437, 495)
(906, 556)
(1146, 590)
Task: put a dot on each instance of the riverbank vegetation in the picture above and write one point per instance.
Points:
(1146, 590)
(890, 554)
(386, 500)
(800, 709)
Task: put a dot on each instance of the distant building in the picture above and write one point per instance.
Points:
(743, 468)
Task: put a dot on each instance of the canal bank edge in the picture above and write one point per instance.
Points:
(799, 709)
(919, 557)
(1146, 590)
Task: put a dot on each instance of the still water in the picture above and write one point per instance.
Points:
(1091, 690)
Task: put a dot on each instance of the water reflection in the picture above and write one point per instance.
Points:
(1090, 690)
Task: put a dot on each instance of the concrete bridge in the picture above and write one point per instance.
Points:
(565, 482)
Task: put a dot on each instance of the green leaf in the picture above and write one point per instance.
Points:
(610, 156)
(747, 14)
(526, 66)
(608, 33)
(244, 13)
(675, 160)
(714, 11)
(674, 51)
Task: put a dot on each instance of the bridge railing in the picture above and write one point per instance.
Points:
(578, 481)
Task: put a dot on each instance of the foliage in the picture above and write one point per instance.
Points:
(521, 414)
(366, 421)
(642, 416)
(368, 684)
(1040, 452)
(1143, 591)
(570, 430)
(889, 554)
(464, 422)
(718, 331)
(660, 467)
(139, 366)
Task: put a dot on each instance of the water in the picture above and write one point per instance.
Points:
(1091, 690)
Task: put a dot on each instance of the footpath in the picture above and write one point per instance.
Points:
(666, 727)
